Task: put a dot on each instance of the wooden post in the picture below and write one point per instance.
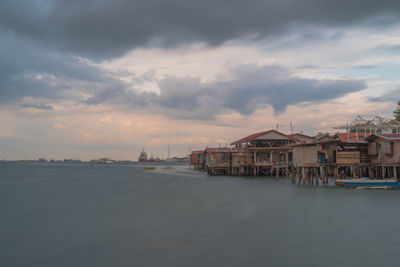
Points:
(394, 172)
(322, 174)
(293, 174)
(298, 175)
(326, 175)
(312, 175)
(277, 173)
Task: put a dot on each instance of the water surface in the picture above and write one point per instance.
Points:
(122, 215)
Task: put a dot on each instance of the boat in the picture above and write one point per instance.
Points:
(152, 159)
(366, 182)
(105, 161)
(142, 156)
(149, 168)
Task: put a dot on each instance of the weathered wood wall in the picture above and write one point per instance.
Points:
(384, 151)
(347, 157)
(305, 155)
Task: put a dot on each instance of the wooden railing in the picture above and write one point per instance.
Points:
(351, 157)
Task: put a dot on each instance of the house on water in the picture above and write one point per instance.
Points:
(197, 160)
(264, 153)
(314, 160)
(384, 150)
(335, 157)
(218, 160)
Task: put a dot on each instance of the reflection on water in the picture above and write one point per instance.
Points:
(123, 215)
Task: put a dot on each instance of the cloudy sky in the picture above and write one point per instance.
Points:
(95, 78)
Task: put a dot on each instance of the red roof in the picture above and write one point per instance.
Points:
(352, 135)
(256, 135)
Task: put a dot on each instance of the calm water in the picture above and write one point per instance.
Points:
(110, 215)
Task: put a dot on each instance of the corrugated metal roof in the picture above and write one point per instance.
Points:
(256, 135)
(315, 143)
(385, 136)
(300, 134)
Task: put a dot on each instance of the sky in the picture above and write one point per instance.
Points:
(96, 78)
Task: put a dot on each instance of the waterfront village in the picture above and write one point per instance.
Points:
(370, 147)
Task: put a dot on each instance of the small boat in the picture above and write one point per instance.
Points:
(366, 182)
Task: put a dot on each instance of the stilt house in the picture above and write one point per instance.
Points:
(263, 153)
(218, 160)
(330, 157)
(197, 160)
(384, 150)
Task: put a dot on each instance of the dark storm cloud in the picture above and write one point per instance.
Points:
(31, 70)
(35, 106)
(45, 74)
(391, 96)
(103, 28)
(252, 87)
(256, 86)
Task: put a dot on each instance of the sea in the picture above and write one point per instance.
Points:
(56, 214)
